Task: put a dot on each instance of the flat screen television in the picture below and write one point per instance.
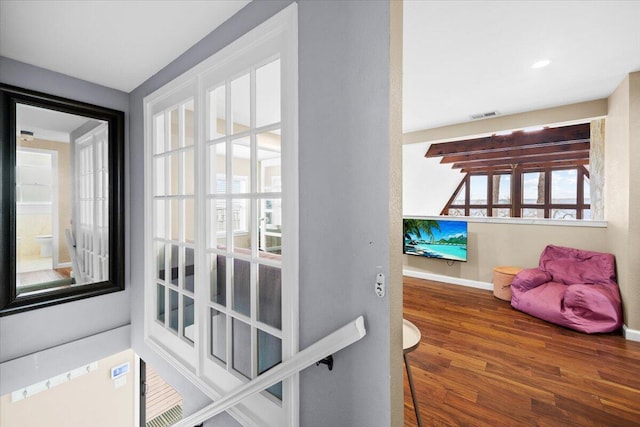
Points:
(432, 238)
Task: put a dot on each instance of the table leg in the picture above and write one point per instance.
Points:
(413, 393)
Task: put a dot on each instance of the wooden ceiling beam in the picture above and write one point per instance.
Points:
(524, 160)
(547, 136)
(541, 165)
(518, 153)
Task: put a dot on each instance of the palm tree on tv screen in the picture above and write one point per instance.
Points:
(417, 226)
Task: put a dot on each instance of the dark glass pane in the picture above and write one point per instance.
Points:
(242, 348)
(219, 335)
(270, 295)
(241, 286)
(160, 260)
(174, 262)
(187, 321)
(160, 303)
(189, 269)
(218, 279)
(269, 355)
(173, 307)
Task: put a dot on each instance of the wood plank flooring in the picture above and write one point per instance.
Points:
(482, 363)
(161, 397)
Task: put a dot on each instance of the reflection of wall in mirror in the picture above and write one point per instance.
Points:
(29, 226)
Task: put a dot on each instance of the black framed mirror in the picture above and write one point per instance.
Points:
(61, 200)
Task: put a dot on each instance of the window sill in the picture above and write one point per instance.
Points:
(526, 221)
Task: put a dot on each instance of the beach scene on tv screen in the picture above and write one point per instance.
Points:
(435, 238)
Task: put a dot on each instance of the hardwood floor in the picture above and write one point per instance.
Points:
(482, 363)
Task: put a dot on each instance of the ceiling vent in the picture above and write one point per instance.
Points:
(484, 115)
(26, 135)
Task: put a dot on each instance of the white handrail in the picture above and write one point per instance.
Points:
(343, 337)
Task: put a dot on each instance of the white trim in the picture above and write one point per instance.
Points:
(277, 36)
(630, 334)
(524, 221)
(447, 279)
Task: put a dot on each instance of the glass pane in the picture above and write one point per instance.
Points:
(189, 269)
(241, 166)
(242, 286)
(478, 187)
(269, 175)
(268, 94)
(160, 260)
(174, 133)
(189, 126)
(461, 196)
(532, 213)
(563, 213)
(586, 214)
(217, 113)
(218, 279)
(240, 103)
(174, 174)
(159, 181)
(477, 212)
(587, 191)
(159, 218)
(173, 307)
(218, 224)
(533, 188)
(270, 236)
(270, 295)
(158, 134)
(218, 335)
(174, 262)
(456, 212)
(189, 220)
(502, 212)
(241, 347)
(269, 355)
(564, 186)
(36, 193)
(160, 303)
(217, 169)
(176, 221)
(189, 172)
(502, 189)
(240, 214)
(188, 329)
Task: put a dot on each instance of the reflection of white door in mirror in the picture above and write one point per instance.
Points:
(61, 184)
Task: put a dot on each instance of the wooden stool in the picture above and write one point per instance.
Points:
(502, 278)
(410, 341)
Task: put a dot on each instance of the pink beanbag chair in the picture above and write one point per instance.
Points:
(572, 288)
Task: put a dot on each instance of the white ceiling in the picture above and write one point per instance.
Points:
(460, 57)
(118, 44)
(468, 57)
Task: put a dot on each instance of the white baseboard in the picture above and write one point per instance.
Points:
(448, 279)
(630, 334)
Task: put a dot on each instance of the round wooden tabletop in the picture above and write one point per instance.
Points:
(410, 336)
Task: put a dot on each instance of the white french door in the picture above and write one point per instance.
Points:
(221, 239)
(92, 211)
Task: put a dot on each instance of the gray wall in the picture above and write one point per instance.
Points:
(344, 79)
(344, 201)
(30, 332)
